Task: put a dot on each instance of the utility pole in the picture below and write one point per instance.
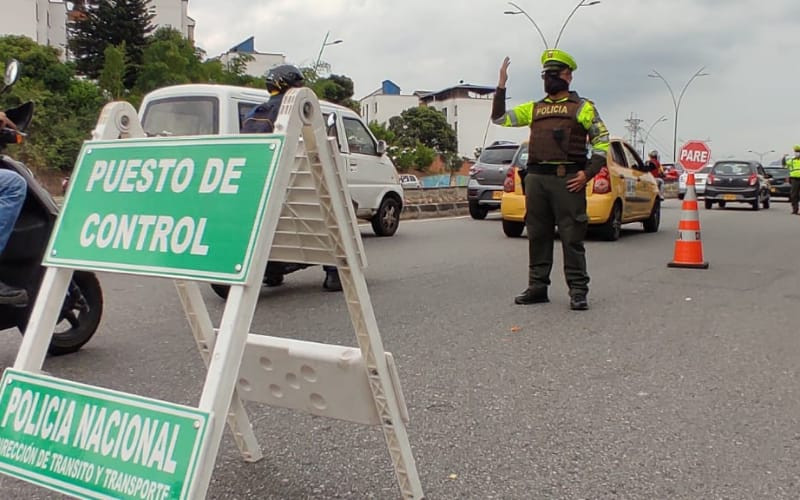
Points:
(634, 126)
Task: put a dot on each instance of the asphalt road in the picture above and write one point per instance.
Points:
(679, 384)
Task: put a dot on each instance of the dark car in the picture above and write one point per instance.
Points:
(486, 177)
(737, 181)
(778, 180)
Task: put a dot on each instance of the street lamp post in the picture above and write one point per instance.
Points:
(581, 3)
(677, 104)
(325, 43)
(520, 10)
(761, 155)
(650, 129)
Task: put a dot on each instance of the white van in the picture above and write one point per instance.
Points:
(203, 109)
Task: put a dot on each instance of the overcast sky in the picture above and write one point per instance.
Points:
(749, 48)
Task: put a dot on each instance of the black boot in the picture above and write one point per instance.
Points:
(332, 283)
(532, 296)
(13, 296)
(578, 302)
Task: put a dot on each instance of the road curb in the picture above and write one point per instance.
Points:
(432, 210)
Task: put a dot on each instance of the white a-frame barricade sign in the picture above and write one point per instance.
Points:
(201, 209)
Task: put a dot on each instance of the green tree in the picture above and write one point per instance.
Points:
(418, 156)
(113, 74)
(382, 132)
(110, 22)
(66, 108)
(337, 89)
(424, 125)
(169, 59)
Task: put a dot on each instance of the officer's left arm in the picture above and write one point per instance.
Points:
(589, 118)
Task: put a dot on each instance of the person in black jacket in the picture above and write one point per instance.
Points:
(261, 120)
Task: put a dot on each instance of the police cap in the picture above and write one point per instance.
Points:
(558, 59)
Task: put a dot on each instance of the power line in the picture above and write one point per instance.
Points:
(634, 127)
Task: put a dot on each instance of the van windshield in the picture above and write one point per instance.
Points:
(182, 116)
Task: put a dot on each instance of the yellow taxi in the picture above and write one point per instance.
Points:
(623, 191)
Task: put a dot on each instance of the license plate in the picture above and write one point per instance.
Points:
(729, 197)
(497, 195)
(772, 190)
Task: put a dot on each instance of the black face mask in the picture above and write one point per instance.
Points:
(553, 84)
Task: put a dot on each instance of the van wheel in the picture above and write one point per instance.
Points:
(651, 223)
(513, 229)
(387, 219)
(610, 231)
(709, 204)
(476, 211)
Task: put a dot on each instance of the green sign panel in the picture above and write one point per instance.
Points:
(96, 443)
(173, 207)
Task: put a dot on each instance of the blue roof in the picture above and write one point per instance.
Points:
(247, 46)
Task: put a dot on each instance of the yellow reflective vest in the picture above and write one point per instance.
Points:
(793, 165)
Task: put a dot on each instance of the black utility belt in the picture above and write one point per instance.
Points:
(557, 170)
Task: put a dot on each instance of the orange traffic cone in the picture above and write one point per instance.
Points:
(688, 246)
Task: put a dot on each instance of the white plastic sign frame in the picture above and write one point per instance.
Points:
(330, 236)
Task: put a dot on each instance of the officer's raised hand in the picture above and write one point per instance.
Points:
(501, 83)
(577, 182)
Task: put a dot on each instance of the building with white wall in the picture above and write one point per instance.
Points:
(43, 21)
(386, 102)
(466, 107)
(172, 14)
(260, 61)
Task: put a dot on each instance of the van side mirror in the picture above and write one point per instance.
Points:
(381, 147)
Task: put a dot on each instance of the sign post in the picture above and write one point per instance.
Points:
(203, 209)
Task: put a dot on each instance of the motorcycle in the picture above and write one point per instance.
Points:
(20, 262)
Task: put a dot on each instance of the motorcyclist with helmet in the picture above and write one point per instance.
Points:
(12, 195)
(261, 119)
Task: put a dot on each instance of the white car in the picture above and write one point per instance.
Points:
(699, 181)
(410, 181)
(204, 109)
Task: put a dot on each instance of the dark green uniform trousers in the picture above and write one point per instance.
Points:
(548, 202)
(794, 194)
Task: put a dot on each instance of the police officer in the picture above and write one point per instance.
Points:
(557, 173)
(262, 120)
(793, 164)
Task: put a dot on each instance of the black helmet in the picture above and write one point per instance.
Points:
(282, 78)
